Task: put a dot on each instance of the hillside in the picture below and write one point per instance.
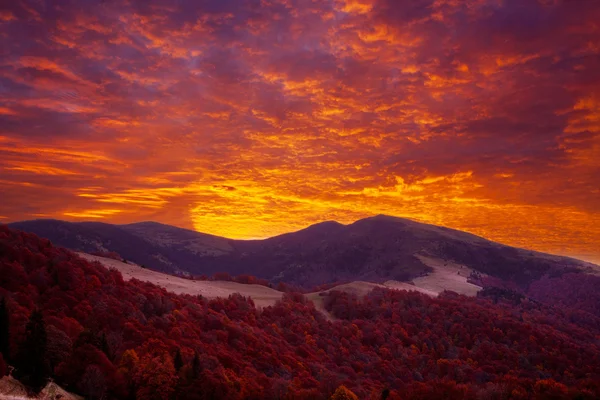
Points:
(107, 337)
(97, 236)
(374, 249)
(261, 296)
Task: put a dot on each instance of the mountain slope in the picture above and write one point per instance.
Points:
(160, 247)
(108, 337)
(262, 296)
(171, 237)
(375, 249)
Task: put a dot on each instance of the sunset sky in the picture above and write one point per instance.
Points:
(252, 118)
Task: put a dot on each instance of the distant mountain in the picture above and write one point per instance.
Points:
(374, 249)
(161, 247)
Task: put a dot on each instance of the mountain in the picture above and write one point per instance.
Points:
(161, 247)
(102, 336)
(373, 249)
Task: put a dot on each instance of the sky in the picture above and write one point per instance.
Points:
(251, 118)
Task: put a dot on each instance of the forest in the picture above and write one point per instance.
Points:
(99, 336)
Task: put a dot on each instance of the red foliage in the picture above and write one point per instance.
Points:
(155, 376)
(342, 393)
(288, 288)
(251, 280)
(222, 276)
(113, 339)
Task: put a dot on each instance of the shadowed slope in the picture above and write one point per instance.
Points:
(375, 249)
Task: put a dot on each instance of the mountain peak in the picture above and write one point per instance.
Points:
(385, 217)
(154, 224)
(327, 224)
(144, 223)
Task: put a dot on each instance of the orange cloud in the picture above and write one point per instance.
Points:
(250, 122)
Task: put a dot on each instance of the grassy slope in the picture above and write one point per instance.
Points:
(263, 296)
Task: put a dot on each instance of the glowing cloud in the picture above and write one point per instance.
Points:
(249, 121)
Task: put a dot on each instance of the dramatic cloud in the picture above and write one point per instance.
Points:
(249, 118)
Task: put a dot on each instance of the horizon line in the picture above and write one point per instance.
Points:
(593, 259)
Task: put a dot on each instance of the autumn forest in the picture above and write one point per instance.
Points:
(102, 337)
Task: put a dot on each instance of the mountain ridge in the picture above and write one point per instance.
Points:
(376, 249)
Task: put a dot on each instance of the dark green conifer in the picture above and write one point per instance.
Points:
(196, 365)
(4, 330)
(385, 394)
(32, 367)
(104, 345)
(178, 361)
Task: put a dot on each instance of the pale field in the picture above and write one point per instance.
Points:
(446, 275)
(449, 277)
(261, 295)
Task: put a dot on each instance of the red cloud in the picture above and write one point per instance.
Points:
(479, 115)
